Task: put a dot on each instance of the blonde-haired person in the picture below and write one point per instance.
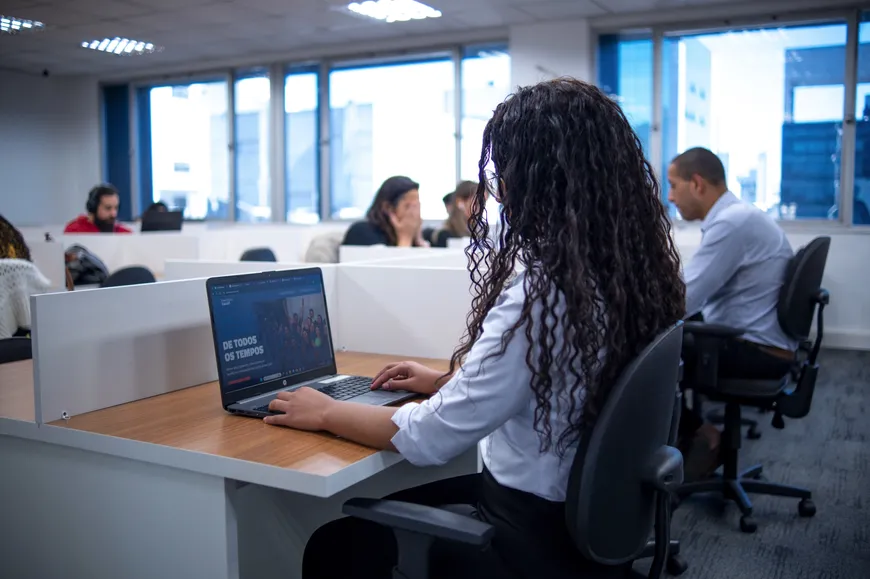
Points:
(458, 210)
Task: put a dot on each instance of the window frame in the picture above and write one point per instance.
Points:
(277, 71)
(660, 31)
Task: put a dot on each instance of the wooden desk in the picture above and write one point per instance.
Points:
(213, 495)
(193, 419)
(16, 391)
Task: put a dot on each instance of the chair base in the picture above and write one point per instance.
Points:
(748, 481)
(752, 434)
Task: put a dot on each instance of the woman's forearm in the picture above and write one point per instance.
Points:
(369, 425)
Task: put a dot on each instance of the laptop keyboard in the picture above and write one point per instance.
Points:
(344, 390)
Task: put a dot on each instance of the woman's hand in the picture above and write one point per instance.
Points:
(409, 376)
(304, 408)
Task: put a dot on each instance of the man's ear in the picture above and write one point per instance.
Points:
(698, 184)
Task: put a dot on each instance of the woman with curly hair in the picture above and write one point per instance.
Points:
(12, 245)
(581, 213)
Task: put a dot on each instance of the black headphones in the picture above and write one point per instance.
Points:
(96, 194)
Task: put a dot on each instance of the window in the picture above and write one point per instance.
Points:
(486, 82)
(302, 147)
(391, 119)
(625, 71)
(773, 101)
(251, 146)
(190, 130)
(861, 191)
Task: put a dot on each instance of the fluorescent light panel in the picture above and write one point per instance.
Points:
(12, 25)
(394, 10)
(121, 46)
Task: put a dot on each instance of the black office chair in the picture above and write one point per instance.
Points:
(133, 275)
(618, 490)
(259, 254)
(15, 350)
(801, 298)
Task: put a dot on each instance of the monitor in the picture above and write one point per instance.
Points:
(162, 221)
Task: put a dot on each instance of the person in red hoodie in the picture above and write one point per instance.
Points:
(102, 213)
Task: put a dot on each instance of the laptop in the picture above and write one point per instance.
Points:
(271, 333)
(162, 221)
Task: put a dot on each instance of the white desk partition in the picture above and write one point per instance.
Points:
(176, 269)
(402, 311)
(150, 250)
(362, 253)
(450, 258)
(48, 257)
(101, 348)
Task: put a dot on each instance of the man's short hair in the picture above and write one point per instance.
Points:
(448, 199)
(700, 161)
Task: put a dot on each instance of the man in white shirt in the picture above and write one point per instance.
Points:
(734, 279)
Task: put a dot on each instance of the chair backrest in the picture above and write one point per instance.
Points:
(15, 349)
(324, 248)
(133, 275)
(803, 279)
(259, 254)
(609, 508)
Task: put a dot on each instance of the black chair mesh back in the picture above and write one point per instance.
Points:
(610, 511)
(15, 350)
(133, 275)
(259, 254)
(803, 279)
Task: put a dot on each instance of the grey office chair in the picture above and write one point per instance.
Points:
(133, 275)
(258, 254)
(15, 350)
(800, 300)
(618, 490)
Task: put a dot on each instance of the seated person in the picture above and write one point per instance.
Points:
(157, 207)
(734, 279)
(102, 213)
(12, 245)
(393, 218)
(526, 400)
(458, 211)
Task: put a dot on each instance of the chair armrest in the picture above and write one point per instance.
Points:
(822, 297)
(420, 519)
(711, 330)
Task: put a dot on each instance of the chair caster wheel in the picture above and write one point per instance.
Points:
(753, 434)
(748, 524)
(676, 565)
(806, 508)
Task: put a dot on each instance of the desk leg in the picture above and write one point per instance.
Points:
(73, 513)
(275, 525)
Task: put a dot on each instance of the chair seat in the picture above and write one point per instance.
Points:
(747, 392)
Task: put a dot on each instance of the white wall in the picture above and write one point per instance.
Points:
(49, 146)
(548, 50)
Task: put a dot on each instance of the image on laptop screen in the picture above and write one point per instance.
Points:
(268, 329)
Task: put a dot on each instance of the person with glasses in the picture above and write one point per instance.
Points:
(584, 276)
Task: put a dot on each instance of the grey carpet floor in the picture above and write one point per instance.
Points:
(827, 452)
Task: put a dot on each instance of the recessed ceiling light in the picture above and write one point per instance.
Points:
(394, 10)
(12, 25)
(121, 46)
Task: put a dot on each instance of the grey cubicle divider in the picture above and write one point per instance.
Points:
(101, 348)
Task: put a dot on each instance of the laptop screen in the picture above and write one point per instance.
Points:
(270, 328)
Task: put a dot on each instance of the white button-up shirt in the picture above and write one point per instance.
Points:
(735, 277)
(490, 401)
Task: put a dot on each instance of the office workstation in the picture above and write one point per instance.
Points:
(214, 143)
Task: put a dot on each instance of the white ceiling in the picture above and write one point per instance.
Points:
(198, 34)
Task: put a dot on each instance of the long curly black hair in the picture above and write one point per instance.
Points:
(581, 210)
